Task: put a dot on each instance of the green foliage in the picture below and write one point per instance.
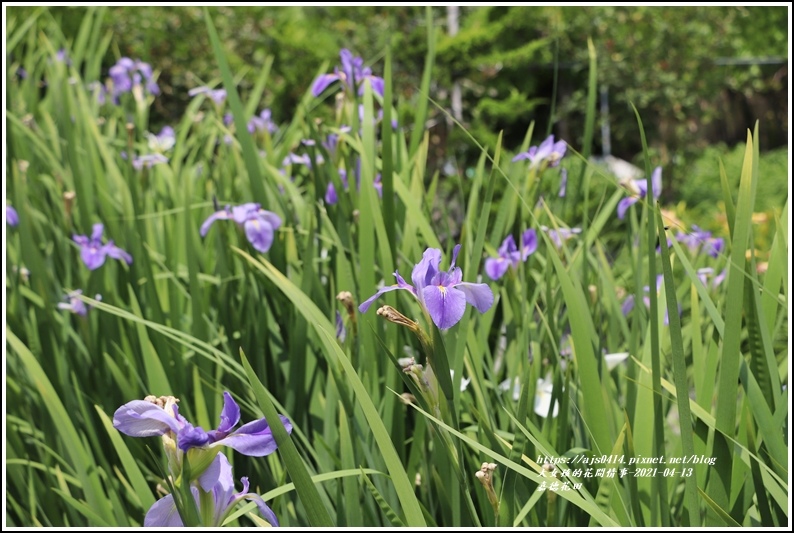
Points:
(370, 445)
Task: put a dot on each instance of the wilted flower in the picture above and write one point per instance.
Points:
(510, 255)
(93, 252)
(639, 189)
(12, 217)
(547, 151)
(218, 483)
(217, 95)
(259, 224)
(352, 71)
(127, 74)
(75, 304)
(443, 295)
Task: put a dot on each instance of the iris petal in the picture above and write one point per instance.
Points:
(445, 305)
(140, 418)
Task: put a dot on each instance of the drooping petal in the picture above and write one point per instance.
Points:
(496, 267)
(93, 256)
(163, 513)
(218, 215)
(140, 418)
(445, 305)
(117, 253)
(322, 82)
(656, 182)
(477, 294)
(365, 305)
(259, 233)
(218, 480)
(254, 438)
(519, 157)
(624, 205)
(377, 85)
(266, 512)
(273, 219)
(529, 243)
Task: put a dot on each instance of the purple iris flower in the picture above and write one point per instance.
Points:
(259, 224)
(694, 238)
(93, 252)
(217, 95)
(510, 255)
(698, 237)
(442, 294)
(705, 273)
(639, 189)
(628, 303)
(218, 482)
(141, 418)
(352, 71)
(714, 246)
(12, 218)
(127, 74)
(331, 196)
(295, 159)
(559, 236)
(75, 304)
(148, 161)
(331, 143)
(547, 151)
(262, 122)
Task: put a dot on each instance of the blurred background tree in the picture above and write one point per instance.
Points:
(699, 76)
